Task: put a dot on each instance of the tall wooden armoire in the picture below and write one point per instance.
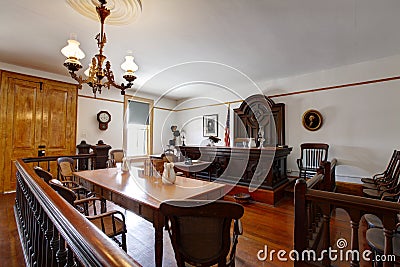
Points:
(35, 114)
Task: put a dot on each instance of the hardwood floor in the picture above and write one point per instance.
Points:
(263, 225)
(10, 247)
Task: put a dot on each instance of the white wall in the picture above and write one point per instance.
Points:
(87, 125)
(361, 123)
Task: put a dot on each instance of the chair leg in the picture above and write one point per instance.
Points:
(124, 241)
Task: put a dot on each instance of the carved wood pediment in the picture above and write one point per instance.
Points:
(253, 118)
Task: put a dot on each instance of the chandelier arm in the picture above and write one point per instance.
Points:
(111, 80)
(79, 79)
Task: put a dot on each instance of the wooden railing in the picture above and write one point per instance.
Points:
(53, 233)
(82, 161)
(313, 210)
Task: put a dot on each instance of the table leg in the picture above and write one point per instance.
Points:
(158, 246)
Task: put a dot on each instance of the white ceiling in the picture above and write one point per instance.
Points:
(263, 39)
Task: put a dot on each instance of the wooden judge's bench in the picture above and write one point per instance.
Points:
(259, 170)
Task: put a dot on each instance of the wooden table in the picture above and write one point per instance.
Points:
(143, 195)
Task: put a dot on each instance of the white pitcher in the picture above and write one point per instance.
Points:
(168, 176)
(124, 165)
(252, 143)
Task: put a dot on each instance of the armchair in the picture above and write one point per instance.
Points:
(65, 168)
(200, 231)
(111, 223)
(382, 177)
(116, 156)
(312, 154)
(47, 177)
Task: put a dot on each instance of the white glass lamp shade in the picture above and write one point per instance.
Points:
(129, 66)
(72, 50)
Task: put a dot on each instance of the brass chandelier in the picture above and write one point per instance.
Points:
(96, 72)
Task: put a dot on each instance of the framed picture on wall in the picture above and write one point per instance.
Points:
(312, 120)
(210, 125)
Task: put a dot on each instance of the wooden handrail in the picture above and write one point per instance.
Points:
(52, 232)
(343, 200)
(54, 158)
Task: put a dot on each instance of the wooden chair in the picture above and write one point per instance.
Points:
(390, 191)
(388, 179)
(116, 156)
(80, 191)
(312, 154)
(200, 231)
(385, 176)
(65, 168)
(45, 175)
(376, 240)
(111, 223)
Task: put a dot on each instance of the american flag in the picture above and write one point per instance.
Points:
(227, 130)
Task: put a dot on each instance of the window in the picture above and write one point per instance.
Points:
(138, 134)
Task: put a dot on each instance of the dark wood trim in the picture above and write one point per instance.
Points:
(167, 109)
(102, 99)
(336, 87)
(121, 102)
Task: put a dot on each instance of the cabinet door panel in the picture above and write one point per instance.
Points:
(59, 119)
(22, 130)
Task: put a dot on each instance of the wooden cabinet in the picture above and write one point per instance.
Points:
(34, 112)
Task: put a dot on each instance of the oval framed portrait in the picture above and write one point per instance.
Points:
(312, 120)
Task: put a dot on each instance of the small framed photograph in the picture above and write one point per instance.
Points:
(210, 125)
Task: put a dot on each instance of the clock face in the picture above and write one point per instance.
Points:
(104, 117)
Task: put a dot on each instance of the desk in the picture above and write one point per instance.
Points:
(143, 195)
(195, 167)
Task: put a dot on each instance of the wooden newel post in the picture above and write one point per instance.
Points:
(300, 216)
(83, 148)
(101, 152)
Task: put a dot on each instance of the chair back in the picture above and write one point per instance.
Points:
(65, 168)
(388, 174)
(45, 175)
(200, 230)
(117, 155)
(394, 176)
(65, 192)
(169, 154)
(312, 154)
